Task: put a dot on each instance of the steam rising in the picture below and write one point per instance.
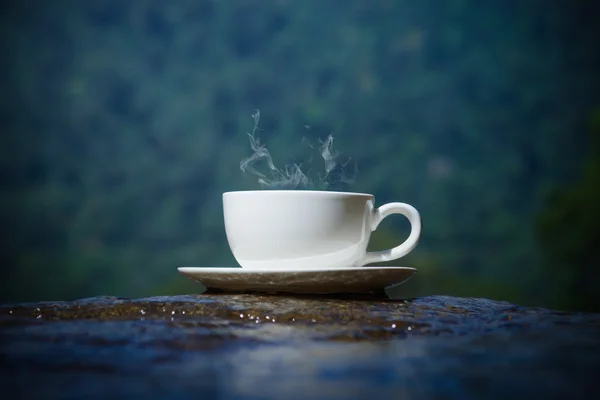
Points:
(292, 176)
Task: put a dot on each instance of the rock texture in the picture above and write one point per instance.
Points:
(249, 346)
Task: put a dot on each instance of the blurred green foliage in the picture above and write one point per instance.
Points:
(123, 122)
(569, 230)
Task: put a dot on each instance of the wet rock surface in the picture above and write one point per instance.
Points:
(251, 346)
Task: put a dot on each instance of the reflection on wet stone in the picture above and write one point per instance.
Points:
(247, 345)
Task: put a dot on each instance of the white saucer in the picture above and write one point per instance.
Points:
(309, 281)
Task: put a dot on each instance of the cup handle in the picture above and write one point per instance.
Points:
(409, 244)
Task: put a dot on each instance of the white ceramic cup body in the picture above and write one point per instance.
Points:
(301, 229)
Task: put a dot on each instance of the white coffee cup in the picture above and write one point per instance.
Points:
(302, 229)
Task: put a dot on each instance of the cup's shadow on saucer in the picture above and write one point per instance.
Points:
(369, 283)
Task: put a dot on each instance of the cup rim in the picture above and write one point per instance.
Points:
(297, 192)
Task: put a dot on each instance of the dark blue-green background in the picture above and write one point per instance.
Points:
(122, 122)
